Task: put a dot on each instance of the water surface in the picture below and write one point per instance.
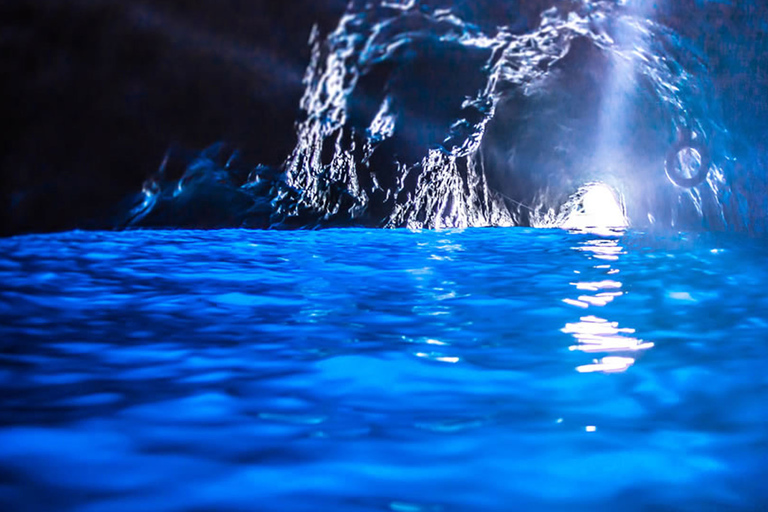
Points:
(485, 369)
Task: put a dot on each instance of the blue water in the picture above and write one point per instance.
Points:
(485, 369)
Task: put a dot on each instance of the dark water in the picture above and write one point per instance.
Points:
(485, 369)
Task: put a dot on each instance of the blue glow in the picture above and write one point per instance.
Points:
(382, 370)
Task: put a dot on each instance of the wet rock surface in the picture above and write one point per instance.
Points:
(99, 92)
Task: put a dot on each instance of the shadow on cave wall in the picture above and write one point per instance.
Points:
(94, 92)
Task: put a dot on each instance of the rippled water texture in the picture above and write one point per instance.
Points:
(486, 369)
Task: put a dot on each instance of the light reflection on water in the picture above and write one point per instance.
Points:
(355, 370)
(595, 334)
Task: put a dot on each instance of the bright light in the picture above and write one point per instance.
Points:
(434, 356)
(596, 207)
(599, 335)
(609, 364)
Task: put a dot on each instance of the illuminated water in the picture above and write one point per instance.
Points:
(486, 369)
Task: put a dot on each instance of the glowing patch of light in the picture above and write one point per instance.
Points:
(681, 296)
(599, 300)
(603, 250)
(599, 335)
(598, 285)
(592, 333)
(591, 428)
(577, 303)
(610, 364)
(438, 357)
(597, 208)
